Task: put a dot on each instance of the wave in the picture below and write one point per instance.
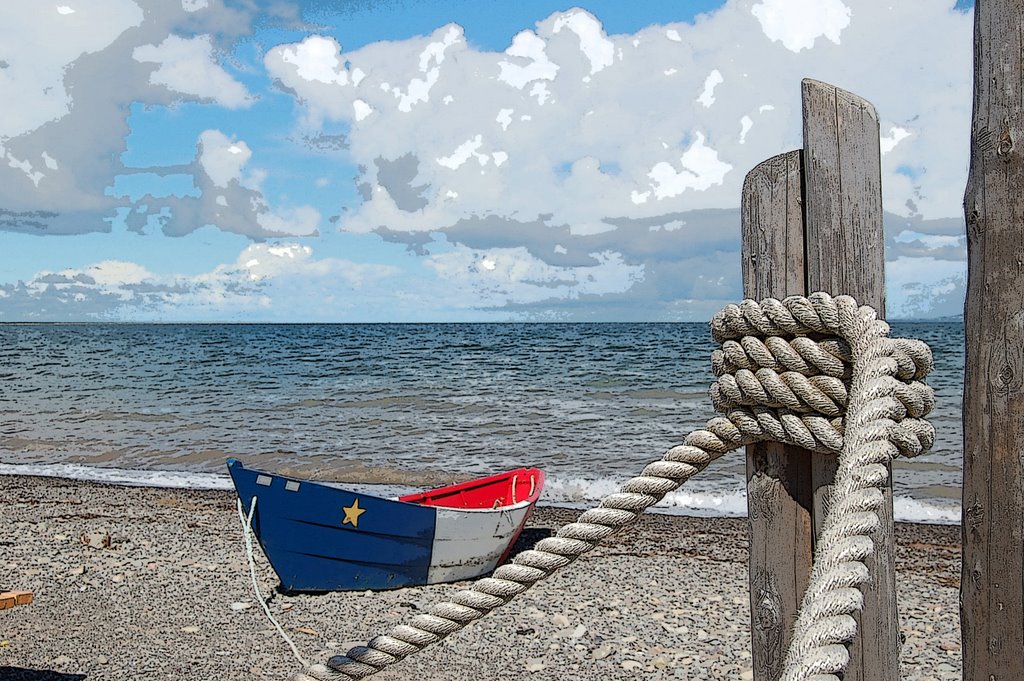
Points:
(581, 493)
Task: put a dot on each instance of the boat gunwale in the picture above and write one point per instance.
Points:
(529, 501)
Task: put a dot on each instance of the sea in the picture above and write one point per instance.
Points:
(393, 407)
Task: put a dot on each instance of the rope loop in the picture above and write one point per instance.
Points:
(819, 372)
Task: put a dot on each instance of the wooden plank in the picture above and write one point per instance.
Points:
(778, 476)
(992, 610)
(844, 250)
(10, 599)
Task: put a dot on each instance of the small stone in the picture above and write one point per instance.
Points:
(102, 659)
(62, 660)
(534, 665)
(240, 605)
(660, 662)
(747, 675)
(949, 646)
(78, 570)
(632, 665)
(579, 631)
(560, 621)
(190, 629)
(601, 652)
(96, 540)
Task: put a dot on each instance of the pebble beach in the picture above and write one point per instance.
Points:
(153, 583)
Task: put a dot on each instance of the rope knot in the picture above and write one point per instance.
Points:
(785, 370)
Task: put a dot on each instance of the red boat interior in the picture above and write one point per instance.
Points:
(495, 491)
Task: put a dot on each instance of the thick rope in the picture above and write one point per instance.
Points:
(782, 376)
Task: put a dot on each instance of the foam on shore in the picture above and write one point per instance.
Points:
(693, 499)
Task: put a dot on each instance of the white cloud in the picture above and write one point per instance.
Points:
(114, 273)
(529, 46)
(317, 59)
(700, 169)
(924, 287)
(32, 82)
(532, 103)
(463, 153)
(707, 97)
(298, 221)
(889, 141)
(187, 65)
(221, 157)
(571, 132)
(362, 109)
(498, 276)
(798, 23)
(745, 125)
(600, 51)
(267, 280)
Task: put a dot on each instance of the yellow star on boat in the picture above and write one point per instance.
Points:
(352, 513)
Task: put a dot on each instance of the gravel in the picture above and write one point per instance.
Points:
(140, 583)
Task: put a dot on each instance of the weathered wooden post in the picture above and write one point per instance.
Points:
(779, 491)
(812, 221)
(992, 611)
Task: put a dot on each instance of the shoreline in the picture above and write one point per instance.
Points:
(130, 581)
(689, 500)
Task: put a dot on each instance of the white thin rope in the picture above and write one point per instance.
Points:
(250, 554)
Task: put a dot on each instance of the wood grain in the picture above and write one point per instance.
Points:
(778, 476)
(992, 581)
(843, 222)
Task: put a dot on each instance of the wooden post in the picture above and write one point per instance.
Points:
(991, 611)
(778, 476)
(845, 254)
(813, 222)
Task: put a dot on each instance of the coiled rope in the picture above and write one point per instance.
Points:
(816, 372)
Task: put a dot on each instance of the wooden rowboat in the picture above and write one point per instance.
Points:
(321, 537)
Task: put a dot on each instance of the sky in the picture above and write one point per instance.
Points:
(451, 160)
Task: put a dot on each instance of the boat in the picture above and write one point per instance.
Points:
(323, 537)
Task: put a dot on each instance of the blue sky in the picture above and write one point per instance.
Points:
(398, 161)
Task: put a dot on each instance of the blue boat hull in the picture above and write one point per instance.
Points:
(324, 538)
